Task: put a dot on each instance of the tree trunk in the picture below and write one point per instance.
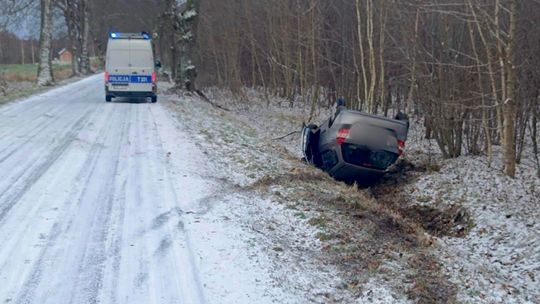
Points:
(191, 19)
(70, 17)
(485, 126)
(503, 70)
(361, 44)
(22, 51)
(382, 72)
(371, 58)
(413, 56)
(32, 48)
(510, 102)
(534, 139)
(45, 75)
(85, 57)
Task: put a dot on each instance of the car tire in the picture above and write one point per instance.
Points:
(154, 99)
(108, 98)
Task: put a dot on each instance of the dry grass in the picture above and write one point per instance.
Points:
(357, 233)
(392, 192)
(361, 234)
(20, 80)
(28, 72)
(19, 77)
(348, 198)
(429, 284)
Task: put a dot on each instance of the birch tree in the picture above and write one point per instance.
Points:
(84, 38)
(45, 73)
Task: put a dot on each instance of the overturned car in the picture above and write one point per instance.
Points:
(355, 146)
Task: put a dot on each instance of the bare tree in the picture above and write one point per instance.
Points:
(510, 102)
(69, 9)
(85, 36)
(45, 73)
(467, 67)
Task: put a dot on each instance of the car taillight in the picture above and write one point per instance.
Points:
(154, 77)
(342, 135)
(401, 146)
(107, 77)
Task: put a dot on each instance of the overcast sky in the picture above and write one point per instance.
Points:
(26, 25)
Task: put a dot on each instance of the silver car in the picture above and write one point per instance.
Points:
(355, 146)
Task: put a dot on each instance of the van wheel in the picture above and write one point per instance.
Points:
(154, 99)
(108, 98)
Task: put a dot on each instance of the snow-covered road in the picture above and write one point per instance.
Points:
(101, 203)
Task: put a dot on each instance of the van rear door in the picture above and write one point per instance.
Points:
(130, 65)
(118, 61)
(141, 65)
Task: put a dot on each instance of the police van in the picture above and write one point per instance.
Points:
(130, 69)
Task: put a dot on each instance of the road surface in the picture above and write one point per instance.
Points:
(92, 209)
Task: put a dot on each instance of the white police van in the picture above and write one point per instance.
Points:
(130, 67)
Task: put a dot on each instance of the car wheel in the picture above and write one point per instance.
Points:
(154, 99)
(108, 98)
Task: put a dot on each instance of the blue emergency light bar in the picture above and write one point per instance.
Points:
(142, 35)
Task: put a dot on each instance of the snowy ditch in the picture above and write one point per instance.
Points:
(433, 231)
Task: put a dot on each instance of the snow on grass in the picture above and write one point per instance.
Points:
(376, 293)
(273, 118)
(497, 260)
(324, 239)
(271, 227)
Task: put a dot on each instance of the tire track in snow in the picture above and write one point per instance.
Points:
(13, 109)
(10, 114)
(134, 268)
(49, 253)
(10, 199)
(103, 221)
(184, 254)
(32, 135)
(21, 227)
(116, 237)
(90, 277)
(40, 128)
